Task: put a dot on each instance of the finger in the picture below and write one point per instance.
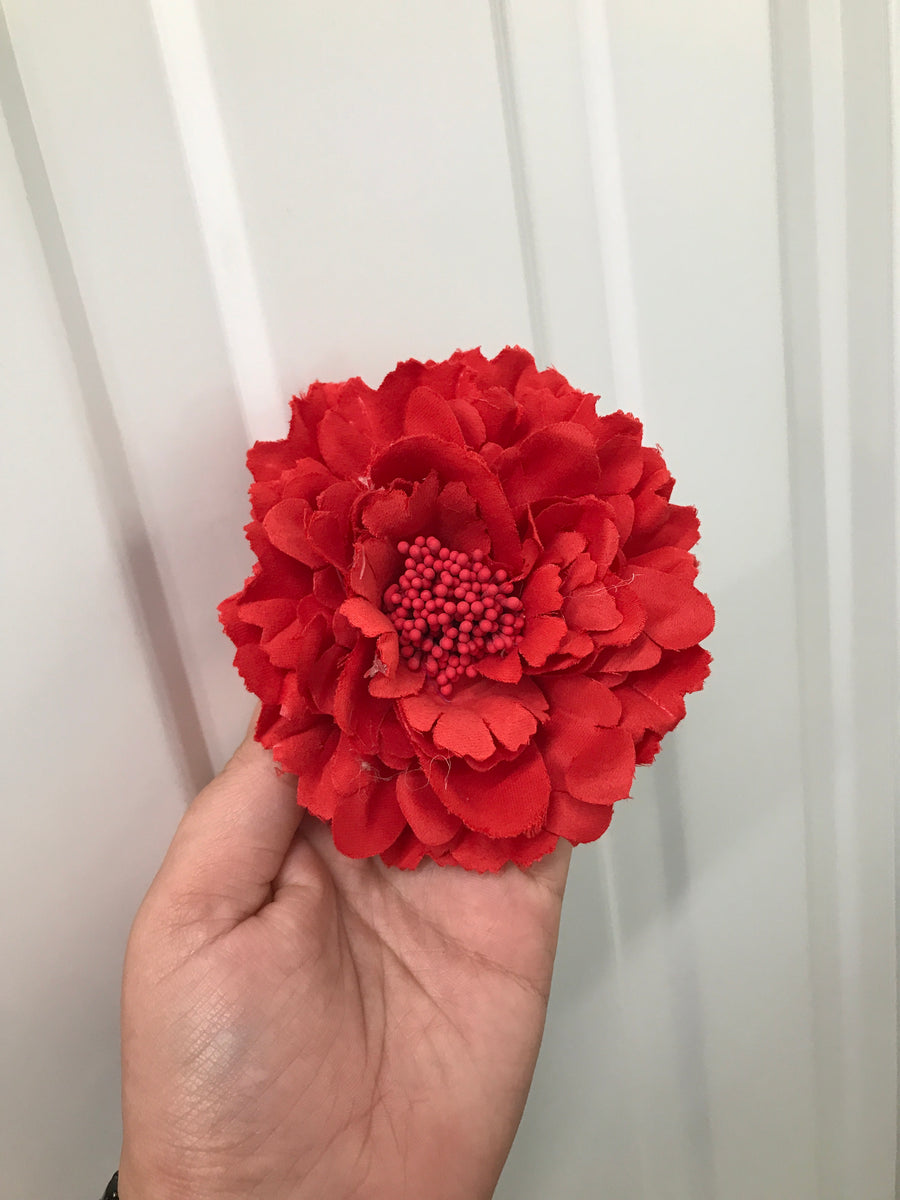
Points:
(233, 839)
(553, 870)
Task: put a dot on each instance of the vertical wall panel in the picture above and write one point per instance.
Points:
(369, 152)
(833, 107)
(97, 96)
(696, 131)
(868, 860)
(707, 865)
(204, 141)
(91, 788)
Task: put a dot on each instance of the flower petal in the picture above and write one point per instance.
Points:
(478, 853)
(328, 587)
(576, 821)
(593, 765)
(387, 404)
(330, 536)
(541, 638)
(366, 824)
(582, 572)
(470, 422)
(621, 464)
(592, 608)
(416, 457)
(394, 746)
(421, 711)
(402, 682)
(508, 799)
(505, 668)
(654, 699)
(541, 593)
(345, 448)
(373, 623)
(368, 619)
(510, 723)
(306, 754)
(386, 513)
(428, 818)
(558, 460)
(286, 528)
(639, 655)
(678, 616)
(341, 776)
(680, 528)
(271, 616)
(406, 853)
(581, 698)
(633, 617)
(269, 460)
(375, 565)
(669, 559)
(429, 413)
(261, 678)
(463, 733)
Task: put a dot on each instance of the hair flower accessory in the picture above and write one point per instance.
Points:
(472, 612)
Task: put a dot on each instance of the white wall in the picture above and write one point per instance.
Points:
(205, 205)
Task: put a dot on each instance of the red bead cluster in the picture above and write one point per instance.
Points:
(450, 609)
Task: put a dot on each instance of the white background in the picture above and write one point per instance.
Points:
(206, 204)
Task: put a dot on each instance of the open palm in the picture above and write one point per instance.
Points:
(298, 1024)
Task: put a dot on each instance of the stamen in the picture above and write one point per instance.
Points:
(450, 610)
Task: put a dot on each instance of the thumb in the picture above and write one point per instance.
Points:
(232, 840)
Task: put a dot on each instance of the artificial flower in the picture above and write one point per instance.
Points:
(472, 613)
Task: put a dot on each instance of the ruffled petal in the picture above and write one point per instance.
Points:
(365, 824)
(681, 528)
(429, 820)
(400, 683)
(654, 699)
(541, 638)
(373, 623)
(671, 560)
(286, 525)
(581, 698)
(416, 457)
(345, 448)
(620, 465)
(375, 565)
(506, 668)
(558, 460)
(510, 722)
(541, 594)
(678, 616)
(639, 655)
(306, 753)
(508, 799)
(595, 765)
(463, 733)
(428, 413)
(407, 852)
(478, 853)
(576, 821)
(258, 673)
(592, 608)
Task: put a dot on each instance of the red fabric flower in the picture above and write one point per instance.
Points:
(473, 610)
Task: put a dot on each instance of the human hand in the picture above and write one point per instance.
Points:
(297, 1024)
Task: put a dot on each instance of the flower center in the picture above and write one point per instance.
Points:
(451, 609)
